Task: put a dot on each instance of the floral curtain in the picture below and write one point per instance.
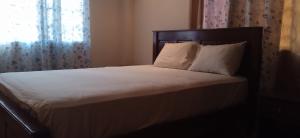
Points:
(44, 34)
(246, 13)
(215, 13)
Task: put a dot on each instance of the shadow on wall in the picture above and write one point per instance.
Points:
(288, 75)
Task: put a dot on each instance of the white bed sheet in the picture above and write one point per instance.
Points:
(108, 101)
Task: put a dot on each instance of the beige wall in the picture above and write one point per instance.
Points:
(110, 21)
(127, 32)
(152, 15)
(121, 30)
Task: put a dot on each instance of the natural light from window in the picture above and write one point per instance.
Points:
(22, 21)
(19, 21)
(71, 20)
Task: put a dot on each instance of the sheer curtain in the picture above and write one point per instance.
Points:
(44, 34)
(216, 13)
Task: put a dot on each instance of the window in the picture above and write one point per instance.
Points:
(42, 20)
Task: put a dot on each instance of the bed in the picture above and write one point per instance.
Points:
(132, 100)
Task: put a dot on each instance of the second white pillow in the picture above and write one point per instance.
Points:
(222, 59)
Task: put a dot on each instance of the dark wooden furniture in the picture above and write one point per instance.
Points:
(16, 122)
(279, 116)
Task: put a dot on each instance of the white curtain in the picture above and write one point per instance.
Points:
(44, 34)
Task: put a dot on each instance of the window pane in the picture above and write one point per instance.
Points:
(19, 20)
(72, 20)
(50, 24)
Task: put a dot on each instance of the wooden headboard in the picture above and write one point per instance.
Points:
(251, 63)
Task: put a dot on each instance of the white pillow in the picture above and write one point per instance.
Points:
(222, 59)
(177, 55)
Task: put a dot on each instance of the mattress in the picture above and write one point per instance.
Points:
(103, 102)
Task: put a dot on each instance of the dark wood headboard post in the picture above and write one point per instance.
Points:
(155, 48)
(251, 64)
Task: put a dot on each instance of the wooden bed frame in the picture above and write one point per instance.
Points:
(17, 123)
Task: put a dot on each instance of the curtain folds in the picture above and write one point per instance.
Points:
(196, 18)
(290, 38)
(247, 13)
(288, 75)
(44, 34)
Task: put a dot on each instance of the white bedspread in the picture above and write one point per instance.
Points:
(114, 100)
